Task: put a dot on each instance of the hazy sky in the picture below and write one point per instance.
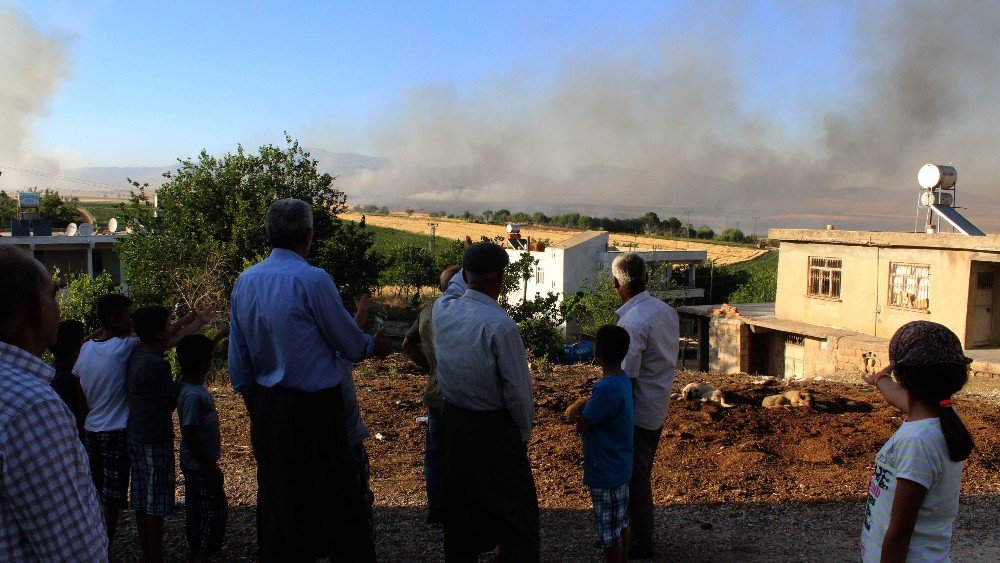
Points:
(146, 82)
(803, 112)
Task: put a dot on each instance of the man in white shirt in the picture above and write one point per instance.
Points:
(654, 331)
(482, 368)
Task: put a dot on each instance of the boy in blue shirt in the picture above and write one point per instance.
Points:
(605, 420)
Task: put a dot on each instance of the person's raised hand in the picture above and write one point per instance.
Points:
(872, 378)
(205, 316)
(383, 346)
(468, 241)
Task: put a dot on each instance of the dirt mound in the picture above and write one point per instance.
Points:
(708, 455)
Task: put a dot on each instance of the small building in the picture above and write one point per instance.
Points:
(565, 267)
(842, 295)
(77, 254)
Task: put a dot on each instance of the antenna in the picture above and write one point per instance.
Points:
(85, 230)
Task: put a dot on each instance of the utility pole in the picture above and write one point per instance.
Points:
(755, 219)
(433, 227)
(687, 213)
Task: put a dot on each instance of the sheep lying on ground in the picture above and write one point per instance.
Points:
(705, 393)
(789, 399)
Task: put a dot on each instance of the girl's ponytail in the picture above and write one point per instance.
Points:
(960, 443)
(934, 384)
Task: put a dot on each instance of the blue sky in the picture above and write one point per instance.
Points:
(151, 81)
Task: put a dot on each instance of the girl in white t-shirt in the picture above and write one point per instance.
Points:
(913, 496)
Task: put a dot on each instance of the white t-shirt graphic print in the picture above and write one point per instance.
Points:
(916, 452)
(101, 368)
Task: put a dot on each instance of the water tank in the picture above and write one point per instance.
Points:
(937, 176)
(513, 229)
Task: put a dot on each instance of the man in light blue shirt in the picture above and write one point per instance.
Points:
(290, 343)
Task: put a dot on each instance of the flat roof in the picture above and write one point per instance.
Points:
(762, 315)
(580, 238)
(58, 240)
(944, 241)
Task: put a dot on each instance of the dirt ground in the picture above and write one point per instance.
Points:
(458, 229)
(730, 484)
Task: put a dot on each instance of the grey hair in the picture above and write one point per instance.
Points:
(630, 271)
(289, 221)
(24, 278)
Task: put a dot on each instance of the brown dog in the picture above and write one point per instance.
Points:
(789, 399)
(705, 393)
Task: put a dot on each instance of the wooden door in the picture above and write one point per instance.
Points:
(982, 308)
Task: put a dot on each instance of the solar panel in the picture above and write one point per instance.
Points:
(955, 219)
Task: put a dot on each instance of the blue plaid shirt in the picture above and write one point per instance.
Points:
(49, 509)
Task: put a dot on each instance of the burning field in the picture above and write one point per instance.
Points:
(742, 483)
(458, 230)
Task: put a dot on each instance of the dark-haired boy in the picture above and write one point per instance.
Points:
(66, 350)
(605, 420)
(206, 506)
(100, 369)
(152, 396)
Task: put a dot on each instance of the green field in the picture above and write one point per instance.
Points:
(101, 211)
(753, 281)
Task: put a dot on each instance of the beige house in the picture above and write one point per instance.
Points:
(841, 296)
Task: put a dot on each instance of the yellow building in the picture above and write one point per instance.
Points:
(842, 294)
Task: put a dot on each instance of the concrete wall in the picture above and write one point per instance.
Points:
(863, 305)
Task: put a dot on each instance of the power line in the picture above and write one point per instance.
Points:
(57, 177)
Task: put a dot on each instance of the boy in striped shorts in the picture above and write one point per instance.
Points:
(605, 420)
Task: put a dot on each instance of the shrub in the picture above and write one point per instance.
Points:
(78, 301)
(541, 339)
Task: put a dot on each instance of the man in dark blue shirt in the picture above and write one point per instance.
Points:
(606, 420)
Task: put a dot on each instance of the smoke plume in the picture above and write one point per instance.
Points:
(32, 65)
(616, 130)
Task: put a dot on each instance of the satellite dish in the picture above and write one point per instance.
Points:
(71, 229)
(113, 225)
(85, 230)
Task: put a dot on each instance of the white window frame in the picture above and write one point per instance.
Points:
(909, 286)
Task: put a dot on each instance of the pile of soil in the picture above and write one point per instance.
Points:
(743, 456)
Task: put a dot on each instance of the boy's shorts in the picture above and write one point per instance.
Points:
(152, 477)
(611, 513)
(206, 511)
(109, 466)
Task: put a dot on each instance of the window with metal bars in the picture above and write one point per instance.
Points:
(824, 277)
(910, 286)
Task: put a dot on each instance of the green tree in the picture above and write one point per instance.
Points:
(54, 207)
(705, 232)
(348, 254)
(541, 339)
(410, 267)
(594, 305)
(516, 274)
(78, 300)
(213, 224)
(448, 253)
(8, 208)
(732, 234)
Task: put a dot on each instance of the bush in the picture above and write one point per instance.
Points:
(78, 300)
(541, 339)
(594, 306)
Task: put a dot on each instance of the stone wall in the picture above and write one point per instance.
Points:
(729, 346)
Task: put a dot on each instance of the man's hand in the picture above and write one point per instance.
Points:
(576, 409)
(205, 316)
(468, 241)
(383, 346)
